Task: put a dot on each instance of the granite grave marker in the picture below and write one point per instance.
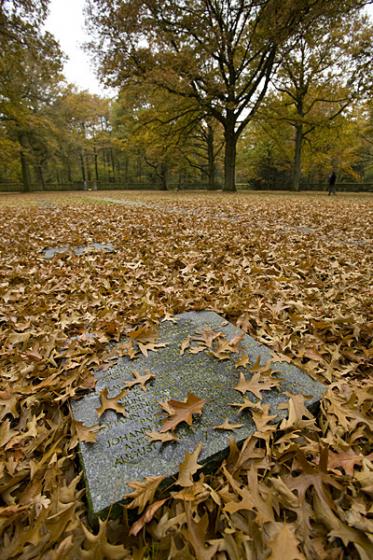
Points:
(50, 252)
(123, 452)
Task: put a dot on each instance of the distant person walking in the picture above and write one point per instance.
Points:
(331, 184)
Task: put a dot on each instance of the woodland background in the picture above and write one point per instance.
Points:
(316, 113)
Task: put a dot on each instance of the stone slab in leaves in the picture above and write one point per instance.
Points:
(123, 452)
(50, 252)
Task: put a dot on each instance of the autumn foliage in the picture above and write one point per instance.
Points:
(292, 271)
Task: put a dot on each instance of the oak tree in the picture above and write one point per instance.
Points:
(221, 53)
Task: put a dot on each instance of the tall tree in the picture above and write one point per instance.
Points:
(30, 71)
(220, 53)
(325, 71)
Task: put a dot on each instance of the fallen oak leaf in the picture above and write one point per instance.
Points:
(150, 346)
(284, 543)
(183, 411)
(146, 517)
(345, 460)
(88, 434)
(256, 384)
(143, 492)
(196, 349)
(164, 438)
(140, 379)
(184, 345)
(111, 403)
(98, 545)
(189, 467)
(169, 317)
(227, 426)
(242, 361)
(196, 534)
(296, 412)
(247, 403)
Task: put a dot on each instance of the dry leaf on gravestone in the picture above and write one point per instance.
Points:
(150, 347)
(246, 403)
(143, 492)
(140, 379)
(88, 434)
(111, 403)
(297, 411)
(184, 345)
(183, 411)
(242, 361)
(164, 438)
(189, 467)
(256, 384)
(227, 426)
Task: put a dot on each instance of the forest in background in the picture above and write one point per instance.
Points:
(300, 98)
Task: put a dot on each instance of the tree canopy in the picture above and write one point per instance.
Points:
(221, 53)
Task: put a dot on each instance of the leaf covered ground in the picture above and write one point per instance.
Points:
(292, 271)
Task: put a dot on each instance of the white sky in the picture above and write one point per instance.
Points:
(66, 22)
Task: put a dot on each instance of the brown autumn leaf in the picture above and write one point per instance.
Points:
(346, 460)
(140, 379)
(256, 384)
(97, 546)
(226, 425)
(184, 345)
(196, 535)
(164, 438)
(298, 415)
(242, 361)
(88, 434)
(146, 517)
(284, 543)
(189, 467)
(150, 347)
(182, 411)
(111, 403)
(143, 492)
(246, 404)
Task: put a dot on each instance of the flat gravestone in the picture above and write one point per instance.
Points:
(50, 252)
(123, 452)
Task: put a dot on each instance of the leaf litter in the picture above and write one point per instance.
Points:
(303, 491)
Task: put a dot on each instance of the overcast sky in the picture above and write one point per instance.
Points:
(66, 22)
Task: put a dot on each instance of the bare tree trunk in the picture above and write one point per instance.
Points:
(112, 163)
(68, 167)
(83, 161)
(230, 153)
(40, 174)
(126, 165)
(25, 167)
(163, 176)
(297, 165)
(211, 157)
